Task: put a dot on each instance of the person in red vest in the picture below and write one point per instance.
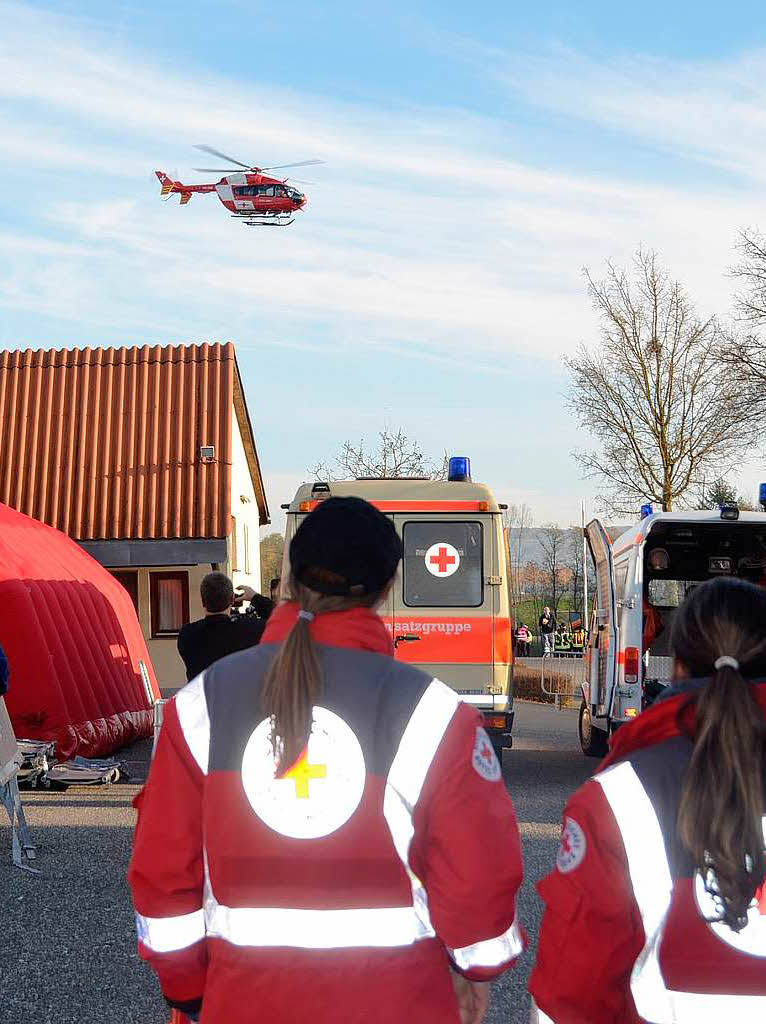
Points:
(325, 834)
(656, 910)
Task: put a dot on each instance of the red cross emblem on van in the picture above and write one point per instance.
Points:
(442, 559)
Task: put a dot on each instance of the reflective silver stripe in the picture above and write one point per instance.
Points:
(314, 929)
(652, 887)
(415, 753)
(309, 929)
(651, 880)
(703, 1008)
(170, 934)
(491, 952)
(420, 740)
(195, 724)
(536, 1015)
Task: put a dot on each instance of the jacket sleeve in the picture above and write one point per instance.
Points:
(166, 873)
(591, 932)
(467, 851)
(3, 673)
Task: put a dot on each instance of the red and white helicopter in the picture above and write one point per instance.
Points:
(249, 195)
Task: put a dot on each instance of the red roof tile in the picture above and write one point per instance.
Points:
(104, 443)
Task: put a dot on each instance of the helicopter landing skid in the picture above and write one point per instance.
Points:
(277, 220)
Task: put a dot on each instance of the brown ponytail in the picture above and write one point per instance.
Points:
(720, 821)
(293, 683)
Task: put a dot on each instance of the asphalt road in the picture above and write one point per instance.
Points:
(67, 944)
(544, 767)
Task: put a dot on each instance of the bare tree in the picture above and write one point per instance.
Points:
(395, 456)
(534, 582)
(554, 543)
(751, 271)
(654, 392)
(517, 520)
(745, 354)
(574, 563)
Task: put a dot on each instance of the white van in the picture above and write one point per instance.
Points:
(448, 611)
(641, 579)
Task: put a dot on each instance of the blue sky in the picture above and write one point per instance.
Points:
(477, 157)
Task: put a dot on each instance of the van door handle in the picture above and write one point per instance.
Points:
(405, 638)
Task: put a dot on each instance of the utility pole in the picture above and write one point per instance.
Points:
(585, 623)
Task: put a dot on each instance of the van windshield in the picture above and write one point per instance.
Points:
(680, 556)
(443, 564)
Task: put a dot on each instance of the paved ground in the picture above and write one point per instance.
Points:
(543, 768)
(66, 938)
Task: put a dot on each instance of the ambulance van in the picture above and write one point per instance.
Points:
(448, 611)
(641, 580)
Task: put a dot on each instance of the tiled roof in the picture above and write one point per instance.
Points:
(105, 443)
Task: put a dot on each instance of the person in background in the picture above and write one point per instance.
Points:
(204, 641)
(260, 606)
(547, 624)
(522, 640)
(325, 834)
(655, 911)
(578, 640)
(653, 626)
(564, 639)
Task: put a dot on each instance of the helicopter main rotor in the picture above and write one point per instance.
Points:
(247, 167)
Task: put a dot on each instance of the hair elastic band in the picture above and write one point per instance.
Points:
(308, 616)
(726, 661)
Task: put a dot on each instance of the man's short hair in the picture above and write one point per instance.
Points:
(216, 591)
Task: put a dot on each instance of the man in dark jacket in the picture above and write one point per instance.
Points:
(204, 641)
(547, 625)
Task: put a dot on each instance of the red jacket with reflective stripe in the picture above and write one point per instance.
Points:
(618, 862)
(357, 924)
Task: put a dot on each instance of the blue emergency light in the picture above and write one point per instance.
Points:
(459, 470)
(646, 510)
(762, 496)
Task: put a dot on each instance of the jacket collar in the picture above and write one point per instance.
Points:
(357, 628)
(671, 715)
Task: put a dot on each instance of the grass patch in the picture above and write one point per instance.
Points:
(526, 684)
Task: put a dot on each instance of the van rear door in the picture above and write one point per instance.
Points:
(603, 639)
(444, 598)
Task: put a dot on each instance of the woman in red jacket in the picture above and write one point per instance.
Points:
(325, 834)
(656, 910)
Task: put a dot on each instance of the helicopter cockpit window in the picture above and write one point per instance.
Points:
(267, 190)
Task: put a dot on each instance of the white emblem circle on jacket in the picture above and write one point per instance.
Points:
(322, 789)
(752, 938)
(572, 847)
(442, 559)
(484, 758)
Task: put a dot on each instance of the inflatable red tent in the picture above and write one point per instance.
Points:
(80, 673)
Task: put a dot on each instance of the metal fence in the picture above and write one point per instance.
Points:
(561, 677)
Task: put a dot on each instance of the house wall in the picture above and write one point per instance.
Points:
(168, 666)
(244, 544)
